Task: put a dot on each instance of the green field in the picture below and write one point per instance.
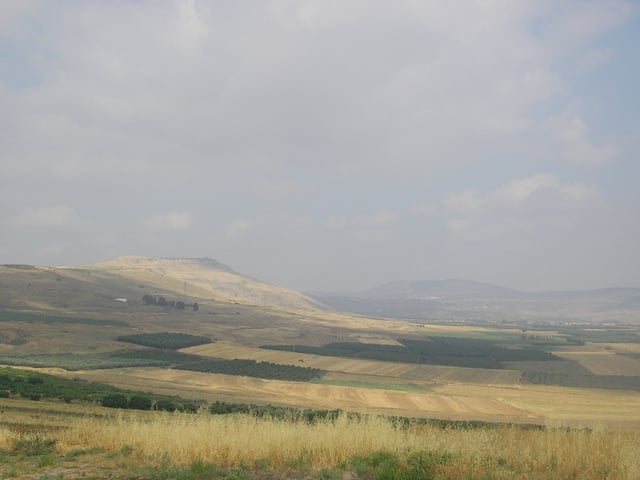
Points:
(32, 317)
(435, 350)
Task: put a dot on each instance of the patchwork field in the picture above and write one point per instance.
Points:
(70, 318)
(605, 362)
(493, 403)
(333, 364)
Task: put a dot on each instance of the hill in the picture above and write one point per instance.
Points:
(98, 286)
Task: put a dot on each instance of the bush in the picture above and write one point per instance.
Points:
(138, 402)
(165, 406)
(188, 408)
(34, 446)
(116, 400)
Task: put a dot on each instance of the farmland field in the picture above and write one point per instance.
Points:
(605, 362)
(507, 402)
(412, 388)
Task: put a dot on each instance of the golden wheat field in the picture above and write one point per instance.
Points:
(509, 402)
(286, 444)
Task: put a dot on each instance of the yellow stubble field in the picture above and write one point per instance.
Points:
(558, 406)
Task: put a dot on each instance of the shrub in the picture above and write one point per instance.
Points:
(116, 400)
(138, 402)
(188, 408)
(34, 446)
(165, 406)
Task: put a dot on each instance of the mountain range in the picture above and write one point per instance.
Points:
(193, 280)
(460, 300)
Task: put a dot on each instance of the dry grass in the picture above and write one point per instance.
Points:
(154, 438)
(228, 441)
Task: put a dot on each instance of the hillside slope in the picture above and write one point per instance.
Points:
(97, 286)
(207, 278)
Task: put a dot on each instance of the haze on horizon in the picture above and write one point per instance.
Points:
(326, 145)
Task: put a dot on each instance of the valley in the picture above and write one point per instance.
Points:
(497, 372)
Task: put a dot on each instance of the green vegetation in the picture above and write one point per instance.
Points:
(251, 368)
(247, 368)
(166, 340)
(157, 357)
(70, 361)
(163, 302)
(10, 316)
(166, 358)
(603, 335)
(385, 465)
(452, 351)
(283, 413)
(36, 386)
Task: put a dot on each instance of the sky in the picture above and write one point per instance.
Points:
(326, 145)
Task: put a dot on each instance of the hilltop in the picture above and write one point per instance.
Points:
(131, 277)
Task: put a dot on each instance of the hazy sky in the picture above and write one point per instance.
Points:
(328, 144)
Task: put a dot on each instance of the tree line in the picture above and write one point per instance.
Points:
(161, 301)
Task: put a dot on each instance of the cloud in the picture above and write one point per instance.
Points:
(13, 10)
(520, 190)
(362, 134)
(169, 222)
(573, 135)
(60, 217)
(518, 193)
(237, 228)
(224, 86)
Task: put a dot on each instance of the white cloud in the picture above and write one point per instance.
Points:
(464, 203)
(309, 112)
(54, 217)
(237, 228)
(518, 193)
(173, 221)
(577, 148)
(519, 190)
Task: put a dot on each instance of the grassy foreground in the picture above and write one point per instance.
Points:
(157, 445)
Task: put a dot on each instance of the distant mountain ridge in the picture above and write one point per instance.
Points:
(438, 289)
(456, 299)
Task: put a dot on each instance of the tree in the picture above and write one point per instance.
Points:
(149, 300)
(162, 301)
(165, 406)
(180, 305)
(139, 402)
(116, 400)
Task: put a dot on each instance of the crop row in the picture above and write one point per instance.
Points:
(451, 351)
(171, 341)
